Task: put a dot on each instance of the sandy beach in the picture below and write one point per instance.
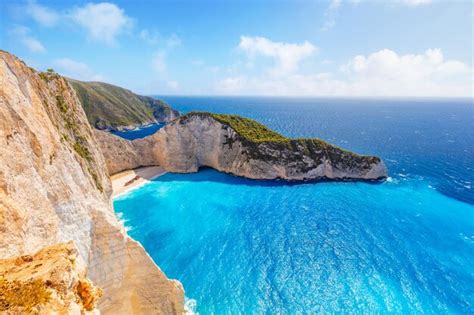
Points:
(127, 180)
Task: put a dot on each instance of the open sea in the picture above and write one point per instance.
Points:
(403, 246)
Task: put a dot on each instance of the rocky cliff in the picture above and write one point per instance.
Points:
(54, 188)
(52, 281)
(239, 146)
(123, 154)
(111, 107)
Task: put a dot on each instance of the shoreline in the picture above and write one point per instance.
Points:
(128, 180)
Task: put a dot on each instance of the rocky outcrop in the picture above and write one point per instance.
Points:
(54, 188)
(123, 154)
(52, 281)
(242, 147)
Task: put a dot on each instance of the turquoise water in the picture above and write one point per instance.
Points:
(402, 246)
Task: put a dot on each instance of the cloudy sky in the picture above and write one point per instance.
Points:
(307, 48)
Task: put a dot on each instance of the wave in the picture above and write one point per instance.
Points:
(190, 306)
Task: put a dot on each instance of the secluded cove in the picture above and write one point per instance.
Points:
(240, 244)
(127, 180)
(402, 246)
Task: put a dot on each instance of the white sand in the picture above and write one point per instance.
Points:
(127, 180)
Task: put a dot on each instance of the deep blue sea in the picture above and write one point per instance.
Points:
(138, 133)
(257, 247)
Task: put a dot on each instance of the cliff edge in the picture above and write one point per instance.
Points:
(52, 281)
(239, 146)
(54, 188)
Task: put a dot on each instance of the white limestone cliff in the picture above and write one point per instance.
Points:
(54, 188)
(202, 139)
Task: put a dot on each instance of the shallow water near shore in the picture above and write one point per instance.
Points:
(405, 245)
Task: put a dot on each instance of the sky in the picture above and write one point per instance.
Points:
(353, 48)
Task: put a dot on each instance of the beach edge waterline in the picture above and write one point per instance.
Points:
(126, 181)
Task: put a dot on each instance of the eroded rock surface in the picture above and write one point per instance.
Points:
(51, 281)
(253, 151)
(123, 154)
(54, 188)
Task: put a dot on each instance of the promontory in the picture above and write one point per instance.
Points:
(238, 146)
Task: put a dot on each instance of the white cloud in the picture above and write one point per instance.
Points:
(382, 73)
(416, 2)
(154, 38)
(428, 74)
(33, 45)
(76, 70)
(149, 37)
(332, 11)
(197, 62)
(286, 56)
(163, 82)
(330, 14)
(232, 86)
(174, 85)
(103, 21)
(159, 61)
(41, 14)
(173, 41)
(22, 35)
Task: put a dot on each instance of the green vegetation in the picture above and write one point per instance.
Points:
(44, 76)
(254, 134)
(61, 104)
(96, 180)
(108, 106)
(249, 128)
(74, 134)
(82, 151)
(48, 75)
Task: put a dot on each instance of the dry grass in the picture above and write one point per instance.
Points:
(24, 296)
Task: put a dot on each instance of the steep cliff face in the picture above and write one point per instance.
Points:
(123, 154)
(241, 147)
(54, 187)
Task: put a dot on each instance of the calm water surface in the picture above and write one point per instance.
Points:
(138, 133)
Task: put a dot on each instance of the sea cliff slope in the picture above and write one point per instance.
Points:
(111, 107)
(54, 188)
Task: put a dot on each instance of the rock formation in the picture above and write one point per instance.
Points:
(50, 281)
(239, 146)
(123, 154)
(54, 188)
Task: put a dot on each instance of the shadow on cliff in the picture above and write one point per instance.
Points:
(208, 174)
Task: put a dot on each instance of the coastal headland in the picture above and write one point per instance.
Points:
(58, 175)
